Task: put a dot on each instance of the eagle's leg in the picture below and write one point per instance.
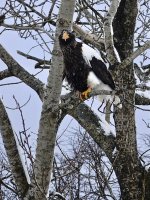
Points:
(84, 95)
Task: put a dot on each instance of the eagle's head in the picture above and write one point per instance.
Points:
(66, 37)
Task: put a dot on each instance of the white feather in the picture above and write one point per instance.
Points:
(88, 53)
(94, 82)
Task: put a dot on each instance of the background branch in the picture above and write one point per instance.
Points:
(108, 32)
(141, 100)
(91, 38)
(5, 74)
(134, 55)
(16, 70)
(12, 152)
(92, 124)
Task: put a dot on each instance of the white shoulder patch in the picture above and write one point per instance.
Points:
(88, 53)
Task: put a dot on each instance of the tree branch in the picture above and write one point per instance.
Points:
(32, 9)
(141, 74)
(16, 70)
(40, 61)
(134, 55)
(8, 187)
(12, 152)
(143, 87)
(5, 74)
(95, 11)
(71, 104)
(108, 31)
(146, 67)
(141, 100)
(48, 122)
(91, 38)
(71, 100)
(31, 27)
(92, 124)
(33, 58)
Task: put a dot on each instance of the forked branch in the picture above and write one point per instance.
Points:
(12, 152)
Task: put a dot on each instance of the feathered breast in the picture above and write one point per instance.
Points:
(76, 69)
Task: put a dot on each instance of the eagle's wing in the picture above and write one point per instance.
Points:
(64, 75)
(100, 70)
(98, 67)
(88, 53)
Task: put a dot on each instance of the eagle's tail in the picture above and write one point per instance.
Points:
(113, 99)
(117, 101)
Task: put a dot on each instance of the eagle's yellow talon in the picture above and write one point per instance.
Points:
(85, 94)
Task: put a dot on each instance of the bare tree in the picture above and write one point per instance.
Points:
(119, 30)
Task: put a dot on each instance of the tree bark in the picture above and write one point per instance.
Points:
(48, 121)
(92, 124)
(12, 153)
(16, 70)
(127, 166)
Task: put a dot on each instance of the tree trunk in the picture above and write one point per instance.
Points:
(127, 166)
(48, 121)
(12, 153)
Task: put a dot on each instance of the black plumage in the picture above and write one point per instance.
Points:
(85, 69)
(100, 70)
(76, 70)
(77, 67)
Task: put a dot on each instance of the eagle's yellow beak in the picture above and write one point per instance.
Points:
(65, 35)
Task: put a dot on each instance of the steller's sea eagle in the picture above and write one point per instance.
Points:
(85, 69)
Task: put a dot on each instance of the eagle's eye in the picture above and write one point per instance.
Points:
(65, 35)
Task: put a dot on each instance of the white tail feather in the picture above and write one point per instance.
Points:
(112, 99)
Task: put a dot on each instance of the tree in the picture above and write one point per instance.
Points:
(122, 45)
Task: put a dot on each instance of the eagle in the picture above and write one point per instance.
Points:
(84, 68)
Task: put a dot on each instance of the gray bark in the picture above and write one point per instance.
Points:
(12, 152)
(127, 165)
(90, 122)
(48, 121)
(16, 70)
(139, 100)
